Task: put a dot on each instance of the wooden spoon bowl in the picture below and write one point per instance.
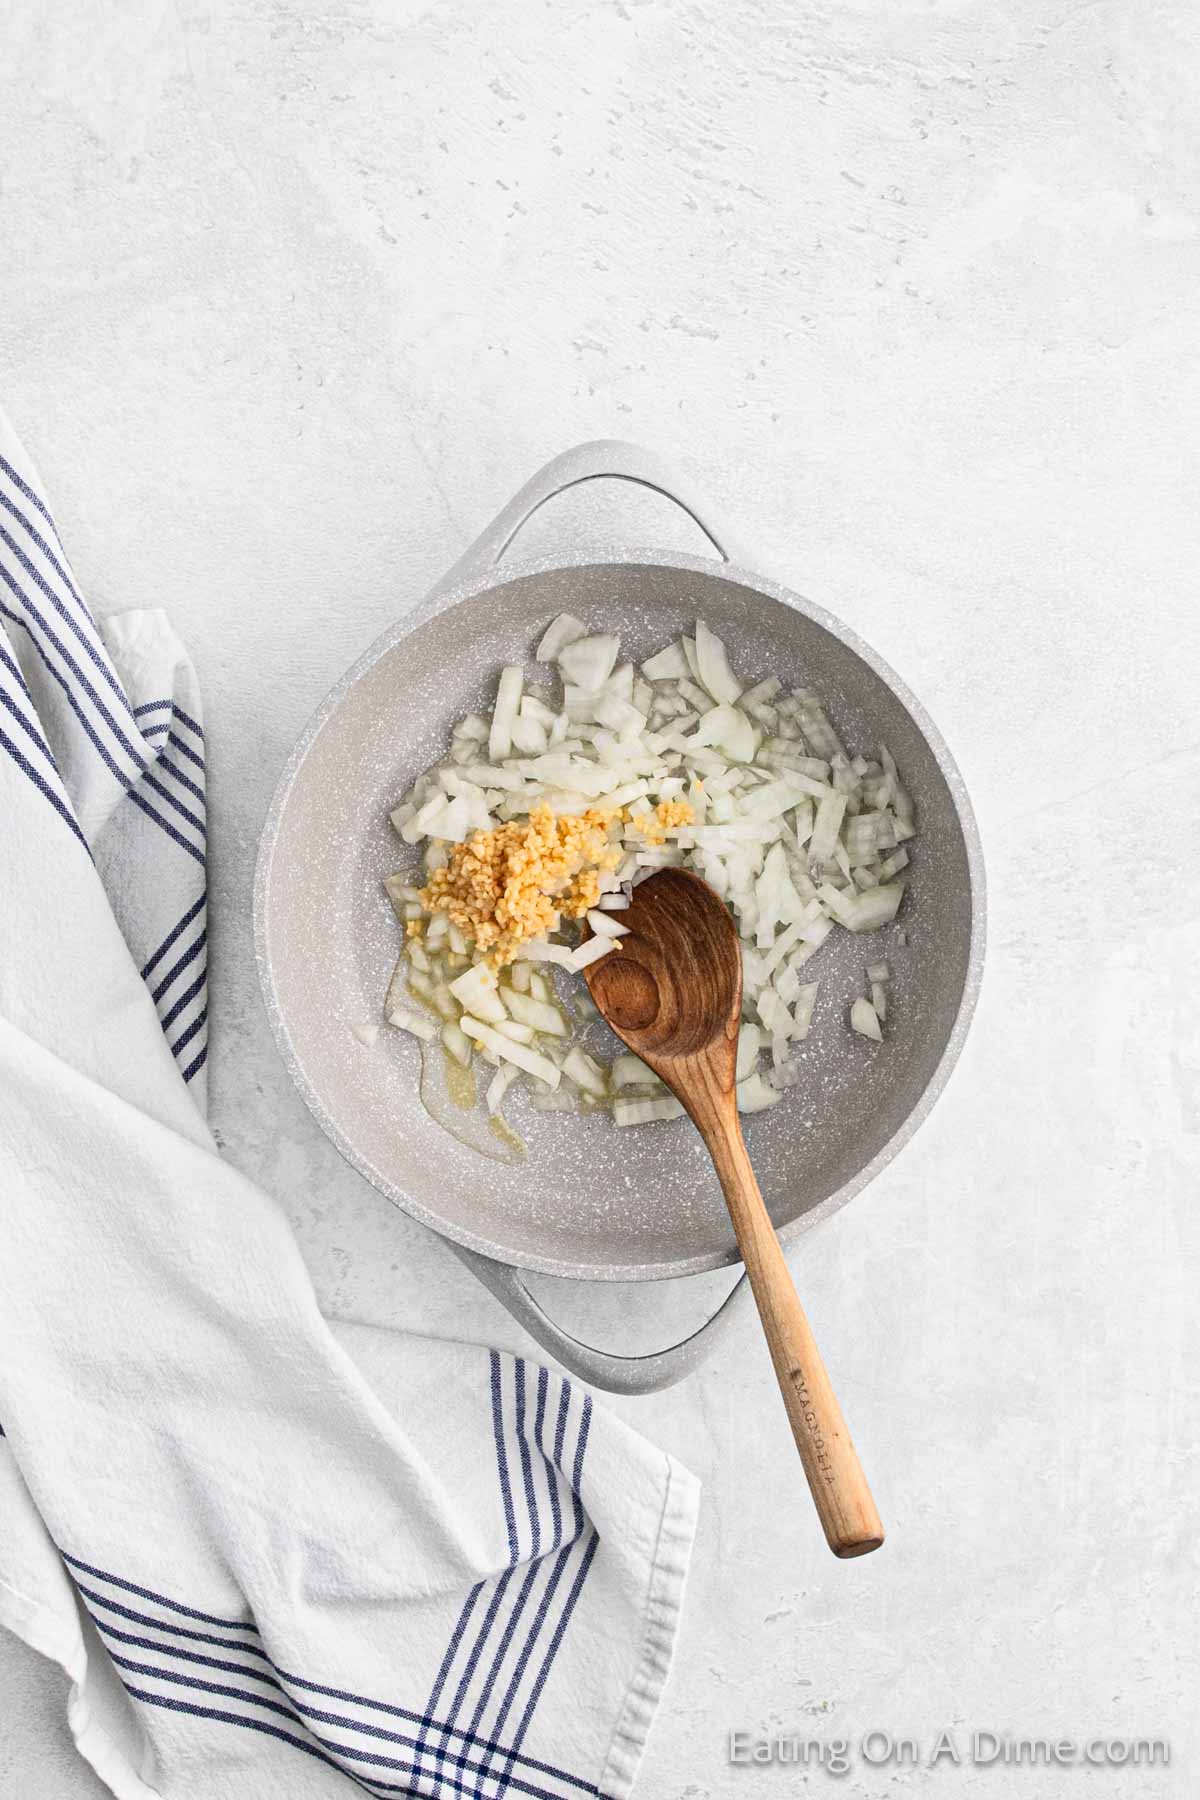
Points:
(672, 991)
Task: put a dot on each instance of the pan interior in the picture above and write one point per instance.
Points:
(589, 1199)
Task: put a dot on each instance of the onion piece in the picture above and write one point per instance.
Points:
(476, 992)
(508, 699)
(590, 952)
(727, 727)
(667, 665)
(865, 1020)
(630, 1071)
(537, 950)
(712, 666)
(586, 1073)
(755, 1095)
(823, 841)
(367, 1032)
(413, 1023)
(802, 1012)
(499, 1085)
(515, 1029)
(646, 1112)
(749, 1044)
(457, 1043)
(559, 1102)
(559, 633)
(509, 1051)
(604, 925)
(878, 906)
(538, 1013)
(588, 662)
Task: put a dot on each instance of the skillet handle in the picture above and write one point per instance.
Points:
(602, 1368)
(602, 459)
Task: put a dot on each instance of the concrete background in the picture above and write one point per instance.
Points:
(292, 298)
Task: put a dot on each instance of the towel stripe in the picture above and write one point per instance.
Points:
(126, 781)
(552, 1652)
(185, 1631)
(131, 1587)
(175, 803)
(43, 786)
(299, 1713)
(188, 1656)
(186, 1037)
(272, 1675)
(177, 743)
(39, 595)
(523, 1660)
(534, 1570)
(330, 1750)
(118, 775)
(90, 642)
(172, 936)
(82, 679)
(502, 1457)
(168, 768)
(170, 1017)
(179, 965)
(171, 706)
(34, 499)
(27, 725)
(456, 1637)
(472, 1660)
(228, 1718)
(539, 1570)
(167, 827)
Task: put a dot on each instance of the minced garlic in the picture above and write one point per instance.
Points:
(503, 887)
(668, 815)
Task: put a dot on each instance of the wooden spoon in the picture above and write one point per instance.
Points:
(672, 991)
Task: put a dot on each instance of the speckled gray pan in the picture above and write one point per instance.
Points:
(588, 1200)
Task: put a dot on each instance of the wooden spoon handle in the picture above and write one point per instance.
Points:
(839, 1487)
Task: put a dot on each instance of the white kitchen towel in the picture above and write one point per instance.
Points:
(275, 1556)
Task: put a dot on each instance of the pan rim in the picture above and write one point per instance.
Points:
(441, 599)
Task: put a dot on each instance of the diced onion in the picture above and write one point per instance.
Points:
(797, 835)
(539, 1014)
(750, 1040)
(559, 633)
(499, 1085)
(712, 665)
(457, 1043)
(531, 1061)
(508, 699)
(476, 992)
(755, 1095)
(646, 1112)
(668, 665)
(605, 926)
(591, 952)
(585, 1073)
(588, 662)
(413, 1023)
(865, 1020)
(631, 1071)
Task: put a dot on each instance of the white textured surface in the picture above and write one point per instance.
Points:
(292, 298)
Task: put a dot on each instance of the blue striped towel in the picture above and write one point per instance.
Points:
(276, 1556)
